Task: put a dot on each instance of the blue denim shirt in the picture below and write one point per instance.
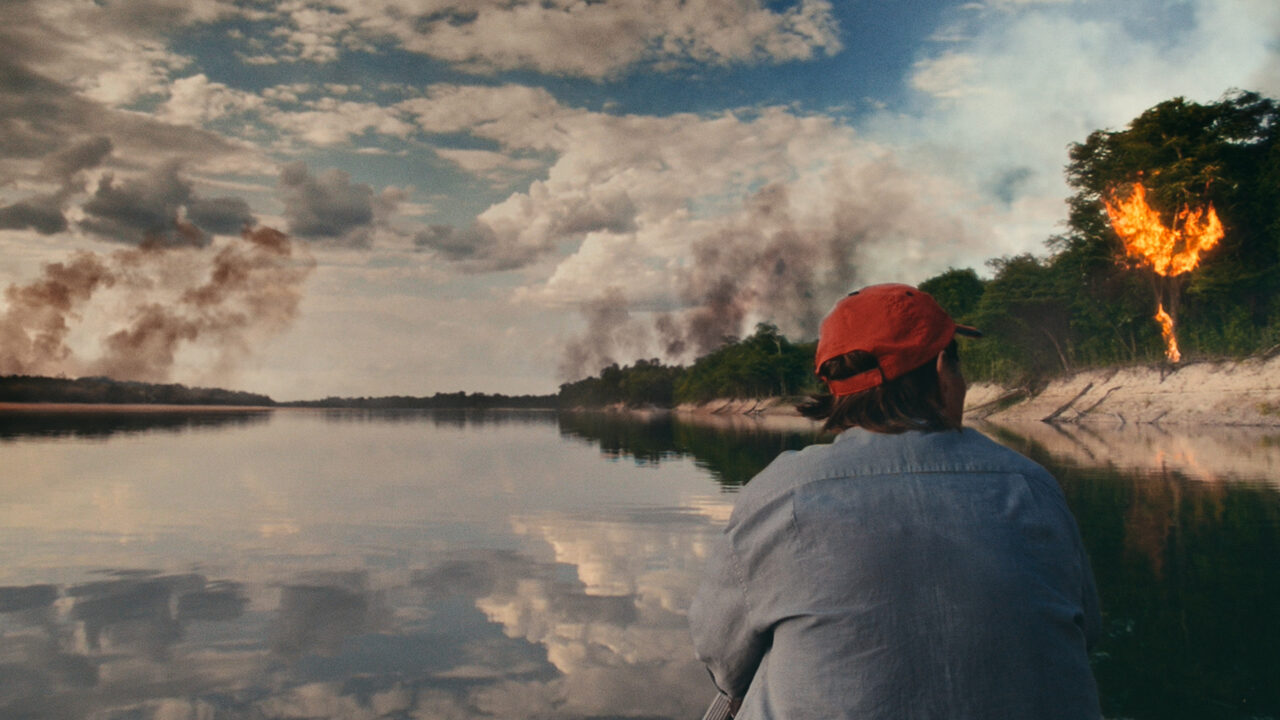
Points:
(921, 575)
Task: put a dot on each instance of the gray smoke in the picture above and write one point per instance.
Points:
(765, 266)
(611, 333)
(219, 299)
(759, 268)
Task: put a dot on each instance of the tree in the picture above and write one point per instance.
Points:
(1025, 317)
(957, 291)
(1187, 154)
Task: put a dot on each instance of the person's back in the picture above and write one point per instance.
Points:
(916, 575)
(917, 572)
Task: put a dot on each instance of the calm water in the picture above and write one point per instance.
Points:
(309, 564)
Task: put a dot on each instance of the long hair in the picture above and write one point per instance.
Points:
(909, 402)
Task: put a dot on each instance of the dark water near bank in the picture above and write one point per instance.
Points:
(312, 564)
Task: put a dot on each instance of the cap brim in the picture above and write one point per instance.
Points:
(968, 331)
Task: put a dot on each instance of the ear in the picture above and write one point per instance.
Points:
(948, 370)
(942, 363)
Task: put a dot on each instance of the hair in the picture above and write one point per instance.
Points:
(912, 401)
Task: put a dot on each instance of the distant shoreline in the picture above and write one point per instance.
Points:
(126, 407)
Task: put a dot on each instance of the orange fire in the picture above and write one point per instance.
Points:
(1169, 251)
(1166, 331)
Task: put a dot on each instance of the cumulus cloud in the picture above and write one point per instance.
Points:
(52, 124)
(475, 241)
(516, 115)
(160, 208)
(63, 165)
(42, 214)
(595, 40)
(194, 100)
(329, 121)
(111, 53)
(67, 119)
(329, 207)
(499, 169)
(312, 32)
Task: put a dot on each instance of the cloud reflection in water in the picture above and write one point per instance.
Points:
(587, 622)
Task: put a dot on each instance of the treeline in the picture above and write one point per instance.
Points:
(439, 401)
(766, 364)
(106, 391)
(1085, 302)
(102, 390)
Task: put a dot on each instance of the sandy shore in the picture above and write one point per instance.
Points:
(1228, 393)
(1238, 392)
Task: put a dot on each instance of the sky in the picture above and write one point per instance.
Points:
(374, 197)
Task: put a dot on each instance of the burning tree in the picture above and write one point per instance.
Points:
(1150, 196)
(1169, 250)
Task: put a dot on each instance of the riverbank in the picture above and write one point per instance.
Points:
(1226, 392)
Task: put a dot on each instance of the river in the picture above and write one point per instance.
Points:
(352, 564)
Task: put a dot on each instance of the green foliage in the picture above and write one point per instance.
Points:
(647, 382)
(102, 390)
(958, 291)
(439, 401)
(763, 365)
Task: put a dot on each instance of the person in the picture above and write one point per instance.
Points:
(910, 569)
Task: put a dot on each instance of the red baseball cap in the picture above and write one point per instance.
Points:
(903, 327)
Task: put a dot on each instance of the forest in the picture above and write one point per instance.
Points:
(103, 390)
(439, 401)
(1200, 279)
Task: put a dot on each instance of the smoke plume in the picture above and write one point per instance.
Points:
(763, 266)
(611, 333)
(34, 329)
(219, 300)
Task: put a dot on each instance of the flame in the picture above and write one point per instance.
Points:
(1166, 331)
(1169, 251)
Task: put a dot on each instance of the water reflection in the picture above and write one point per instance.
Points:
(732, 448)
(459, 565)
(1205, 454)
(97, 424)
(453, 418)
(479, 634)
(1184, 532)
(320, 614)
(467, 565)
